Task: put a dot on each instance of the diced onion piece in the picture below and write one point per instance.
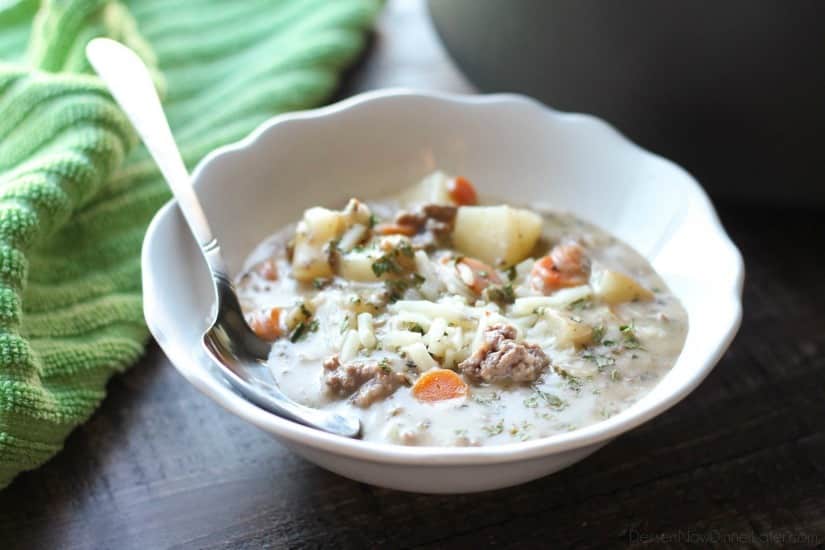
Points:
(352, 237)
(350, 346)
(366, 332)
(419, 355)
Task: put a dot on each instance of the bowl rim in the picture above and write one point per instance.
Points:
(189, 366)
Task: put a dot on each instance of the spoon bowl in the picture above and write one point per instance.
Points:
(236, 350)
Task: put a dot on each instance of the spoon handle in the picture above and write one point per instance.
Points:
(131, 85)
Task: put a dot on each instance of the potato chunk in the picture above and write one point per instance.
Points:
(614, 287)
(569, 333)
(497, 235)
(314, 232)
(320, 226)
(431, 190)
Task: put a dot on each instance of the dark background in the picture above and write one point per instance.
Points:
(737, 463)
(734, 90)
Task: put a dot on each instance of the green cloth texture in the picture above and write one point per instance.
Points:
(77, 190)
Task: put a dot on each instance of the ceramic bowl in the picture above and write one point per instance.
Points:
(511, 147)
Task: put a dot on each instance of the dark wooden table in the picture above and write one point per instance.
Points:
(740, 462)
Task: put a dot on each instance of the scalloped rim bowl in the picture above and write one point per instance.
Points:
(510, 146)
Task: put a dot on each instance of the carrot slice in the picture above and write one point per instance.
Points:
(267, 324)
(462, 192)
(565, 266)
(394, 229)
(476, 274)
(439, 384)
(268, 269)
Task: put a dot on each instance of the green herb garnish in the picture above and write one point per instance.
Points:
(552, 401)
(501, 294)
(630, 341)
(580, 304)
(320, 282)
(385, 264)
(298, 332)
(396, 288)
(406, 249)
(601, 361)
(495, 429)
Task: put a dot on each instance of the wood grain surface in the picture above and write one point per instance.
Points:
(739, 463)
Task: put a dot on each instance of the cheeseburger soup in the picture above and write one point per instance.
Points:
(442, 321)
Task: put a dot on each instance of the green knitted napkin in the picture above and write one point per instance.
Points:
(77, 192)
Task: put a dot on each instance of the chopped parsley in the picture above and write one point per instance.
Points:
(373, 221)
(501, 294)
(302, 329)
(494, 429)
(415, 327)
(486, 399)
(385, 264)
(548, 399)
(580, 304)
(630, 341)
(320, 282)
(384, 365)
(388, 262)
(598, 334)
(511, 273)
(396, 288)
(602, 361)
(573, 382)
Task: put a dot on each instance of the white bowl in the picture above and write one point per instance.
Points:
(509, 146)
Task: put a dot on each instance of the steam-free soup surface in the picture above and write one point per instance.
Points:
(440, 321)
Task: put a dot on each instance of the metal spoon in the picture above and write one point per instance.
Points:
(235, 349)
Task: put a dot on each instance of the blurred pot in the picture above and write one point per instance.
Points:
(733, 90)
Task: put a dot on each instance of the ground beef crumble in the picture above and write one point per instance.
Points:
(365, 383)
(501, 359)
(433, 224)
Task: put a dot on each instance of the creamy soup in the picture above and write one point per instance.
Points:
(438, 320)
